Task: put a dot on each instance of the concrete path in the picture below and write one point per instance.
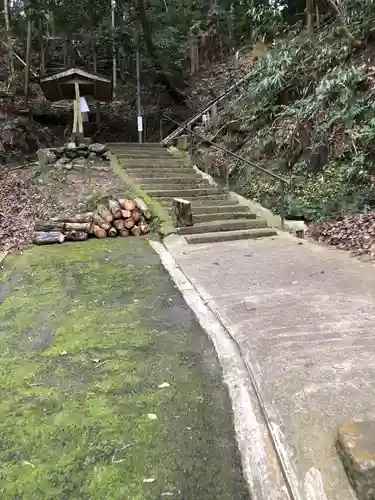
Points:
(304, 318)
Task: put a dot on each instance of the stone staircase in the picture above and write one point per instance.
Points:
(165, 176)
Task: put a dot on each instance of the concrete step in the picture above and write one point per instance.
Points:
(135, 145)
(152, 160)
(218, 216)
(184, 193)
(223, 225)
(230, 236)
(197, 202)
(170, 179)
(142, 154)
(216, 209)
(189, 184)
(160, 171)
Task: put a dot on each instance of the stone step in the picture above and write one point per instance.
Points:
(218, 216)
(248, 234)
(184, 193)
(223, 225)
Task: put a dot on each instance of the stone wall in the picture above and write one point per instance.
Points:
(64, 155)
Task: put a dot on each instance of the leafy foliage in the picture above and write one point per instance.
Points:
(309, 114)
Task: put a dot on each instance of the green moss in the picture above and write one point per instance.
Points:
(88, 332)
(156, 208)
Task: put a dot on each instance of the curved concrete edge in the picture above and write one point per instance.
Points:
(259, 462)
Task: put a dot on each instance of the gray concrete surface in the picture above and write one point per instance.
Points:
(356, 445)
(304, 317)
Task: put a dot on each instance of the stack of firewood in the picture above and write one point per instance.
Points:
(118, 218)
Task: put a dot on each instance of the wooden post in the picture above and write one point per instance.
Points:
(182, 215)
(77, 133)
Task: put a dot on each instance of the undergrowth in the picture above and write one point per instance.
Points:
(309, 115)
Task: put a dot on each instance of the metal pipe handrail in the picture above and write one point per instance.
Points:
(283, 182)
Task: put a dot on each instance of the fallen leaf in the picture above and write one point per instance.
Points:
(149, 480)
(164, 385)
(152, 416)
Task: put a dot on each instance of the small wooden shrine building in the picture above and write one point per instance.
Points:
(75, 83)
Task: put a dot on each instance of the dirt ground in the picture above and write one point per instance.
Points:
(34, 192)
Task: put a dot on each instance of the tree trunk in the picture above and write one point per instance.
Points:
(136, 231)
(42, 238)
(85, 227)
(99, 232)
(105, 213)
(11, 75)
(99, 221)
(145, 211)
(119, 224)
(144, 227)
(115, 209)
(126, 214)
(127, 204)
(136, 216)
(45, 225)
(75, 236)
(85, 217)
(129, 223)
(177, 96)
(28, 60)
(182, 212)
(310, 16)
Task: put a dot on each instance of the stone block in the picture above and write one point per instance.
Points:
(46, 157)
(183, 143)
(356, 446)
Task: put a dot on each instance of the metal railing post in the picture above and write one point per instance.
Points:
(161, 129)
(191, 145)
(282, 205)
(282, 180)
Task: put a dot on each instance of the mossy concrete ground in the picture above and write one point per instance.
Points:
(88, 334)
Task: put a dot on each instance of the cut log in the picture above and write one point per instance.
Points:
(136, 215)
(112, 233)
(86, 217)
(75, 236)
(129, 205)
(99, 232)
(99, 221)
(121, 202)
(48, 225)
(115, 209)
(129, 223)
(182, 215)
(43, 238)
(143, 226)
(105, 213)
(141, 205)
(85, 227)
(126, 214)
(124, 233)
(119, 224)
(136, 231)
